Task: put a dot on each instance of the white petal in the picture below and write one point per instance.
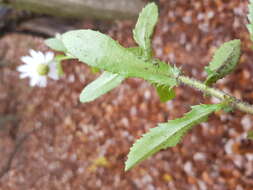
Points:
(49, 56)
(27, 59)
(33, 53)
(34, 80)
(23, 68)
(24, 75)
(33, 69)
(42, 56)
(37, 56)
(53, 75)
(53, 64)
(42, 82)
(53, 72)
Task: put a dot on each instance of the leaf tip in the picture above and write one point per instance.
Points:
(55, 44)
(129, 163)
(83, 98)
(127, 167)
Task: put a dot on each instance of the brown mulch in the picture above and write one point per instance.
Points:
(64, 144)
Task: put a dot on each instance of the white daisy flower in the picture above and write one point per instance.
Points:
(38, 67)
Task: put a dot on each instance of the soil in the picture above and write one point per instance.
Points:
(49, 140)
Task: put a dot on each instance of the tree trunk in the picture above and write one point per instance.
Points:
(100, 9)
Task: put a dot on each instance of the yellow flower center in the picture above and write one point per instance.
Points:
(42, 69)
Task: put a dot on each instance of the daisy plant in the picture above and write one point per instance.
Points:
(118, 63)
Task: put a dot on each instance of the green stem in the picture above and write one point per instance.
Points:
(245, 107)
(63, 57)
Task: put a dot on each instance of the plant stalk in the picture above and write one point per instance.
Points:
(245, 107)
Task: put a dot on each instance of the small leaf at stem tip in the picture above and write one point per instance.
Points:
(224, 61)
(144, 28)
(104, 83)
(168, 134)
(165, 93)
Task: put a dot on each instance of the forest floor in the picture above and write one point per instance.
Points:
(49, 140)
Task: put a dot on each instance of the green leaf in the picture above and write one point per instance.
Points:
(250, 14)
(250, 135)
(106, 82)
(100, 86)
(136, 51)
(250, 28)
(99, 50)
(224, 61)
(165, 93)
(55, 44)
(145, 26)
(95, 70)
(59, 59)
(167, 134)
(250, 18)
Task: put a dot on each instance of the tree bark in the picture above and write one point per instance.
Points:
(99, 9)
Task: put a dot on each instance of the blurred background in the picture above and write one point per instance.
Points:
(49, 140)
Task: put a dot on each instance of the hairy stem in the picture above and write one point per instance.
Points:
(245, 107)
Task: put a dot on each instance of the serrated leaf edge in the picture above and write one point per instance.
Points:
(163, 143)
